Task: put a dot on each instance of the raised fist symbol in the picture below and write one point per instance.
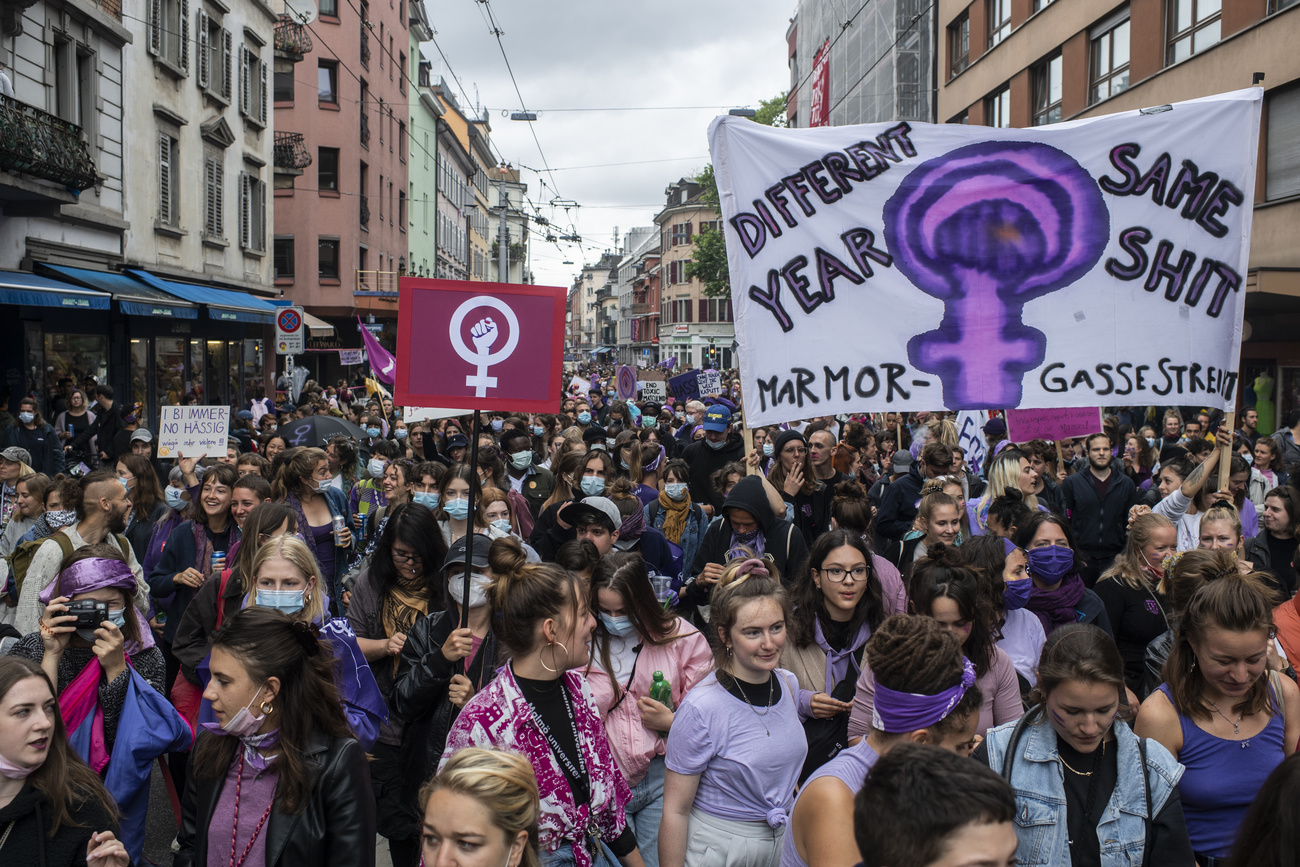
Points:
(484, 334)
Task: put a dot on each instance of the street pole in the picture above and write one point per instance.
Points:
(503, 252)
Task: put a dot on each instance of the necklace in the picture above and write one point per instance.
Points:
(1082, 773)
(1236, 726)
(234, 831)
(771, 681)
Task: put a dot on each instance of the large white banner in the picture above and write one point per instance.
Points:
(914, 266)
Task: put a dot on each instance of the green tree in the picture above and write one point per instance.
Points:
(709, 254)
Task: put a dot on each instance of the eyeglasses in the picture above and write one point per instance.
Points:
(836, 573)
(403, 557)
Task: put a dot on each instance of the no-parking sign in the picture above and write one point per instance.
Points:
(290, 331)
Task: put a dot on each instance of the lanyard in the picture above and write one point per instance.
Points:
(636, 656)
(578, 772)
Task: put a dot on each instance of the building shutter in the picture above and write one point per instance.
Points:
(704, 310)
(227, 66)
(204, 65)
(245, 85)
(210, 196)
(261, 105)
(245, 211)
(155, 27)
(261, 217)
(164, 179)
(220, 186)
(183, 54)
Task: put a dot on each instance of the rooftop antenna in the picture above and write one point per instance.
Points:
(616, 247)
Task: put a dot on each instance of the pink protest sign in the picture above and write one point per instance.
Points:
(479, 345)
(1052, 424)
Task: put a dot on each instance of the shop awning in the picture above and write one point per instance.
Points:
(21, 287)
(132, 296)
(316, 326)
(223, 305)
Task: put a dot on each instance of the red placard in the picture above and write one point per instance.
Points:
(494, 346)
(1024, 425)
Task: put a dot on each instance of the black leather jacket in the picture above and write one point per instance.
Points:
(419, 694)
(337, 827)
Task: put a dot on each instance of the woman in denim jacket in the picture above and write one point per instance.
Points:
(1073, 762)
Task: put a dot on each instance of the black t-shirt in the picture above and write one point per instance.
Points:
(551, 702)
(755, 694)
(1089, 781)
(1137, 617)
(1280, 553)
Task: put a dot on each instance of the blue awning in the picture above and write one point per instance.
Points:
(21, 287)
(132, 296)
(223, 305)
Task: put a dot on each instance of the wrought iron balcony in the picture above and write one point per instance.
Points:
(365, 212)
(292, 38)
(37, 143)
(365, 127)
(365, 45)
(290, 152)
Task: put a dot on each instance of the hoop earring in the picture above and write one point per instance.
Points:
(552, 648)
(266, 708)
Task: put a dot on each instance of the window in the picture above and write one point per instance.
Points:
(252, 213)
(169, 32)
(963, 118)
(999, 18)
(997, 109)
(1282, 166)
(327, 168)
(329, 7)
(380, 199)
(327, 258)
(1040, 5)
(1279, 5)
(959, 45)
(677, 272)
(216, 50)
(715, 310)
(283, 257)
(252, 85)
(1108, 65)
(401, 210)
(708, 226)
(1047, 92)
(1193, 27)
(681, 233)
(401, 140)
(402, 81)
(169, 183)
(327, 81)
(214, 200)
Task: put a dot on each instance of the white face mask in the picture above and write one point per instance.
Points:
(478, 584)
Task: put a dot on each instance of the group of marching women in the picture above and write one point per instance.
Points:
(600, 674)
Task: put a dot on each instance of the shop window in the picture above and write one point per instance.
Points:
(197, 383)
(53, 356)
(169, 371)
(140, 379)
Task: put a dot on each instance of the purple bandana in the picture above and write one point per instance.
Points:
(97, 573)
(653, 466)
(899, 712)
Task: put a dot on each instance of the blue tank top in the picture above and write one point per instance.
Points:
(1222, 777)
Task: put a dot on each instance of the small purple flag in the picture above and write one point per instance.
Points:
(381, 360)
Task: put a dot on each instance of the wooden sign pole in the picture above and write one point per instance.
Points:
(1225, 459)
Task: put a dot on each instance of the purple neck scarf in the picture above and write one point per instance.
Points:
(98, 573)
(1057, 607)
(838, 661)
(752, 541)
(633, 526)
(899, 712)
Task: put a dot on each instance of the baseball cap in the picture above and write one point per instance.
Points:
(244, 414)
(902, 461)
(717, 418)
(595, 510)
(17, 455)
(141, 435)
(478, 556)
(995, 427)
(457, 441)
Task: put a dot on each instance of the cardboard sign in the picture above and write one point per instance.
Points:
(650, 390)
(1024, 425)
(193, 431)
(493, 346)
(709, 382)
(579, 387)
(349, 357)
(686, 386)
(970, 435)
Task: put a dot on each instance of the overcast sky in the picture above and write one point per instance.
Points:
(598, 54)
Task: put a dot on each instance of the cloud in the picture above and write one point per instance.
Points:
(583, 54)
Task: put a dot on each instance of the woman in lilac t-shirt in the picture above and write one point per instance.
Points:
(737, 742)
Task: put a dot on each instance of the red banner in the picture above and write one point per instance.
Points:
(820, 108)
(493, 346)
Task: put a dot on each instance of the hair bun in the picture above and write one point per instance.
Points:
(308, 635)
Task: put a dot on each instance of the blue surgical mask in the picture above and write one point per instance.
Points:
(609, 442)
(522, 460)
(126, 486)
(584, 418)
(611, 392)
(676, 491)
(372, 432)
(503, 525)
(174, 497)
(538, 430)
(26, 417)
(426, 498)
(497, 425)
(680, 415)
(720, 444)
(768, 448)
(1051, 563)
(1151, 442)
(376, 468)
(593, 486)
(117, 616)
(1250, 458)
(401, 433)
(617, 625)
(457, 509)
(288, 601)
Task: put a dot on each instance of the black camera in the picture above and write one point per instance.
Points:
(90, 613)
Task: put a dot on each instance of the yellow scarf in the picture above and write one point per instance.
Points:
(675, 515)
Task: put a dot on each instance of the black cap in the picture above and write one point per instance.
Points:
(478, 557)
(457, 441)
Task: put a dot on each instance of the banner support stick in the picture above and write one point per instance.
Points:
(469, 522)
(1225, 459)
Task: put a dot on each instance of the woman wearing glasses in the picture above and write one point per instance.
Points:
(838, 604)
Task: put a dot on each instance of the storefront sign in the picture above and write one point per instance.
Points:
(191, 431)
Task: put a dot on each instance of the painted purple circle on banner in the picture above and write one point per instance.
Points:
(626, 383)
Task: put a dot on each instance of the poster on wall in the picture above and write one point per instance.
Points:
(910, 266)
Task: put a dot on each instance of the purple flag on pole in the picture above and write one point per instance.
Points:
(381, 360)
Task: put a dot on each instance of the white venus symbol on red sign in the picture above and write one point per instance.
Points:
(484, 333)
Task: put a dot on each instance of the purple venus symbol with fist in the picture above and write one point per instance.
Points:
(985, 229)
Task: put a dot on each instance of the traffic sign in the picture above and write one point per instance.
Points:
(290, 331)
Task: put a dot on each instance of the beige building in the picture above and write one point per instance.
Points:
(1029, 62)
(693, 328)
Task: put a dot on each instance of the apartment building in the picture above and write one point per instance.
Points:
(693, 328)
(637, 245)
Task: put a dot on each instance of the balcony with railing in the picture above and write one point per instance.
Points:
(41, 145)
(291, 155)
(365, 45)
(382, 284)
(291, 38)
(365, 127)
(365, 212)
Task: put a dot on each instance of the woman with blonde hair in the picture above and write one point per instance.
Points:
(1010, 470)
(479, 792)
(1221, 531)
(1130, 590)
(287, 578)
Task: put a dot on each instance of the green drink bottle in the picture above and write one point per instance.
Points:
(661, 691)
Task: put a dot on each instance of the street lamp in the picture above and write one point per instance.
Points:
(743, 112)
